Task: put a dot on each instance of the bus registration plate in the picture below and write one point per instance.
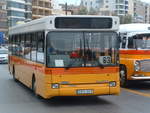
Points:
(85, 91)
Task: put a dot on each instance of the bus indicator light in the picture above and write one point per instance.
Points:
(55, 86)
(112, 84)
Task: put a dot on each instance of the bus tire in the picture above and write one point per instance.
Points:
(123, 76)
(14, 75)
(33, 85)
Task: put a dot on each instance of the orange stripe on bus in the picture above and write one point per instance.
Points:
(136, 52)
(84, 70)
(56, 71)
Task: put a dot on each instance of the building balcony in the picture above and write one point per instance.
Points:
(3, 11)
(41, 3)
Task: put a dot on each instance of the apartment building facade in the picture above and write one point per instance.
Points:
(41, 8)
(140, 11)
(95, 4)
(3, 17)
(18, 11)
(107, 7)
(121, 7)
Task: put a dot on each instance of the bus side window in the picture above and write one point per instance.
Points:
(130, 42)
(10, 44)
(13, 44)
(34, 46)
(17, 45)
(22, 45)
(40, 49)
(28, 47)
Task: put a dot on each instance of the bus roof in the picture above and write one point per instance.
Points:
(48, 23)
(138, 33)
(135, 27)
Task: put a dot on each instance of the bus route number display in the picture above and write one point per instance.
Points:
(105, 59)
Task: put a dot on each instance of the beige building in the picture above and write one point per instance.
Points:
(41, 8)
(3, 17)
(140, 11)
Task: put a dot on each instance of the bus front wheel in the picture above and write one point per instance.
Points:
(123, 75)
(34, 87)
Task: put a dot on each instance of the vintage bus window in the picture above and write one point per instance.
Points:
(80, 49)
(124, 41)
(141, 42)
(130, 42)
(40, 47)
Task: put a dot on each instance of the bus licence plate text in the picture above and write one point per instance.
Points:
(83, 91)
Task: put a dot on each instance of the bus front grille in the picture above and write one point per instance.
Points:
(145, 65)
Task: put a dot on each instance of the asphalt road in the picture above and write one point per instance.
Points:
(16, 98)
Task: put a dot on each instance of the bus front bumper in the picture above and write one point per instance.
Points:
(140, 77)
(84, 90)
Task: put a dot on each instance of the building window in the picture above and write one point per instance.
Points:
(86, 3)
(16, 13)
(15, 5)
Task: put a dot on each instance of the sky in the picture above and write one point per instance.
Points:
(76, 2)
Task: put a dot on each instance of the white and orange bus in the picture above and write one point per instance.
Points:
(66, 55)
(134, 52)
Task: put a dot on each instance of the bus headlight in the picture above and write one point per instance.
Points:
(112, 84)
(55, 86)
(137, 66)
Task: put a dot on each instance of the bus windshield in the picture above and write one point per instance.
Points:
(81, 49)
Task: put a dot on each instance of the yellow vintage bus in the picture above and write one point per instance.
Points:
(134, 53)
(66, 55)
